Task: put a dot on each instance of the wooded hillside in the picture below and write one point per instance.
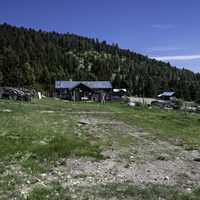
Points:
(35, 59)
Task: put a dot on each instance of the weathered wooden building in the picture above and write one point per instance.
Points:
(84, 90)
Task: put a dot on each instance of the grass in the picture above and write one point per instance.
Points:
(43, 155)
(54, 193)
(116, 191)
(52, 135)
(43, 136)
(35, 140)
(168, 125)
(148, 192)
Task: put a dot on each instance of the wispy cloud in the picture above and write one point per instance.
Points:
(163, 26)
(164, 49)
(185, 57)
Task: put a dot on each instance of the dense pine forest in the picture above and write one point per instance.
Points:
(35, 59)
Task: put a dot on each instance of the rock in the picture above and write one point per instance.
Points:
(126, 165)
(6, 110)
(197, 159)
(75, 182)
(140, 130)
(189, 148)
(47, 111)
(189, 190)
(43, 175)
(74, 196)
(160, 198)
(195, 155)
(62, 162)
(121, 188)
(64, 185)
(132, 159)
(90, 179)
(57, 194)
(166, 178)
(179, 142)
(84, 122)
(161, 157)
(42, 142)
(132, 104)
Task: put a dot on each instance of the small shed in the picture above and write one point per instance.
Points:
(166, 95)
(118, 93)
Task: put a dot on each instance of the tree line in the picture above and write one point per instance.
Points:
(35, 59)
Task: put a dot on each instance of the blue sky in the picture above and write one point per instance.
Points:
(163, 29)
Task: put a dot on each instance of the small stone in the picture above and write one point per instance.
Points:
(188, 148)
(43, 175)
(62, 162)
(6, 110)
(132, 158)
(179, 142)
(166, 178)
(189, 190)
(193, 172)
(126, 165)
(161, 157)
(42, 142)
(84, 122)
(69, 176)
(140, 130)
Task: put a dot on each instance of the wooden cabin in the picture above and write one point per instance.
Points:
(83, 90)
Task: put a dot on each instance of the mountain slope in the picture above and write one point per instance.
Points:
(36, 59)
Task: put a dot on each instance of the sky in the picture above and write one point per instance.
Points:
(166, 30)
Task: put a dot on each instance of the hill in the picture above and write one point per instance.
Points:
(36, 59)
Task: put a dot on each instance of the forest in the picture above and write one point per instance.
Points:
(36, 59)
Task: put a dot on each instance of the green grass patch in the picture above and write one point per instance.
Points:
(148, 192)
(43, 156)
(55, 192)
(164, 124)
(64, 146)
(45, 137)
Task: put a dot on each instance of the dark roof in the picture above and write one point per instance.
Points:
(89, 84)
(166, 94)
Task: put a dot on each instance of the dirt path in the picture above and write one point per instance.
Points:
(145, 160)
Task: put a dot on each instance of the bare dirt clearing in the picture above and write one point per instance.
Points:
(138, 160)
(142, 160)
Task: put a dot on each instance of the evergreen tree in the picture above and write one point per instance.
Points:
(36, 59)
